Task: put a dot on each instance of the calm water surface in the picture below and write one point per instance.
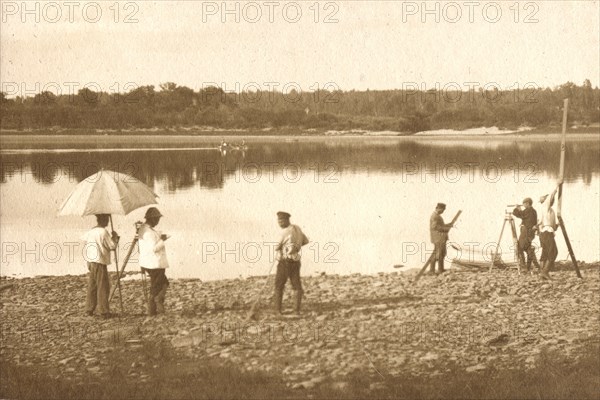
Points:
(363, 202)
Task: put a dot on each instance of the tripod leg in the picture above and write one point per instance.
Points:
(518, 252)
(144, 286)
(117, 267)
(497, 246)
(120, 273)
(571, 253)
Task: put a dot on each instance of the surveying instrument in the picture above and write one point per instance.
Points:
(519, 257)
(561, 223)
(134, 244)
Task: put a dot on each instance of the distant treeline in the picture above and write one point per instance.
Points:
(404, 111)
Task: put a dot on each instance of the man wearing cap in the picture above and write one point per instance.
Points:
(153, 260)
(546, 228)
(439, 236)
(98, 246)
(528, 217)
(288, 252)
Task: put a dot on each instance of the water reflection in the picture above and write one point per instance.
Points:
(375, 215)
(211, 168)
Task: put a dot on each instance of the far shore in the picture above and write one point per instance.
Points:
(12, 141)
(208, 131)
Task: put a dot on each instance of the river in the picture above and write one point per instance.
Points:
(364, 202)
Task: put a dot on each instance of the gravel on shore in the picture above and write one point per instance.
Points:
(383, 324)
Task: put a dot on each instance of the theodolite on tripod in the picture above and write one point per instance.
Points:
(519, 257)
(138, 225)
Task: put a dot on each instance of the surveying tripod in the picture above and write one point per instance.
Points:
(508, 219)
(138, 225)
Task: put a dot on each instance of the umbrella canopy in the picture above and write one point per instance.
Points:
(107, 192)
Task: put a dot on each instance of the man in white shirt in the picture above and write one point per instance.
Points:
(288, 252)
(153, 260)
(98, 246)
(546, 228)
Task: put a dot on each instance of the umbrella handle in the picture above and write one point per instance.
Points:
(117, 266)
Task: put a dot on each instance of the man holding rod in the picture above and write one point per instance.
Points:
(439, 236)
(547, 227)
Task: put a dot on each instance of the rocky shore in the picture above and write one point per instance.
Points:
(379, 325)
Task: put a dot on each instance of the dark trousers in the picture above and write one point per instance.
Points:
(158, 289)
(549, 250)
(287, 269)
(439, 253)
(525, 238)
(98, 288)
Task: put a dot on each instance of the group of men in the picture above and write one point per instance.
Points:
(545, 226)
(153, 258)
(153, 261)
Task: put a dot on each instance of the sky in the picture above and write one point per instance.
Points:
(349, 45)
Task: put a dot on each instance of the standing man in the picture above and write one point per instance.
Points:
(99, 244)
(288, 252)
(528, 217)
(153, 260)
(546, 228)
(439, 236)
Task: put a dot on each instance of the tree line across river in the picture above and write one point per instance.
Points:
(404, 111)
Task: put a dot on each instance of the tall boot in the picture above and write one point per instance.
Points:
(278, 300)
(432, 267)
(533, 258)
(441, 269)
(299, 294)
(544, 275)
(536, 263)
(521, 259)
(159, 299)
(151, 305)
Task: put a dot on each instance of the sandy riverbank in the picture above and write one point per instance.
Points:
(208, 131)
(380, 326)
(11, 142)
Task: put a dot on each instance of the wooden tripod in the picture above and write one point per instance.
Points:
(118, 285)
(138, 225)
(561, 223)
(508, 219)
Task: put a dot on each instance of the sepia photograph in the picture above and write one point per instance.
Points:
(310, 199)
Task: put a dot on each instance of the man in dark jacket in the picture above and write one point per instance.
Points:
(439, 236)
(528, 217)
